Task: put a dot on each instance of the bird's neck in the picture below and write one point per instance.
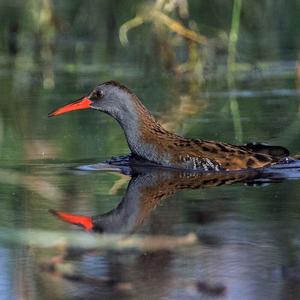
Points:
(144, 135)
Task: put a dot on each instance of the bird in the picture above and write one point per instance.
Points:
(150, 141)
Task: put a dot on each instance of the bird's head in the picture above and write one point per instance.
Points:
(110, 97)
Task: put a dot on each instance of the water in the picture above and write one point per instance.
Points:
(160, 234)
(217, 240)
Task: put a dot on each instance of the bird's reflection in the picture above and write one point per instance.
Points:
(155, 268)
(146, 189)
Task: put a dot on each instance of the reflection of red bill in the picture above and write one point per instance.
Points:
(84, 221)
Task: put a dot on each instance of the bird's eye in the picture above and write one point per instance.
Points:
(99, 94)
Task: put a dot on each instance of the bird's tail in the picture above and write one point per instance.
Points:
(278, 152)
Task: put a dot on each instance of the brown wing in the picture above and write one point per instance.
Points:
(233, 157)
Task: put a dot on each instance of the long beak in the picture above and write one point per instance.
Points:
(83, 221)
(82, 103)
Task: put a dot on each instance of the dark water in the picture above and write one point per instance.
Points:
(208, 238)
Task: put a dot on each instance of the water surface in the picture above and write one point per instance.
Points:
(161, 234)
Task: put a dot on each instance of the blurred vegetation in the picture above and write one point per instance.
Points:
(70, 34)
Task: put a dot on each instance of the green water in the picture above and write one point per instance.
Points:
(238, 241)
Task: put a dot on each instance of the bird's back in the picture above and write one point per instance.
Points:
(211, 155)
